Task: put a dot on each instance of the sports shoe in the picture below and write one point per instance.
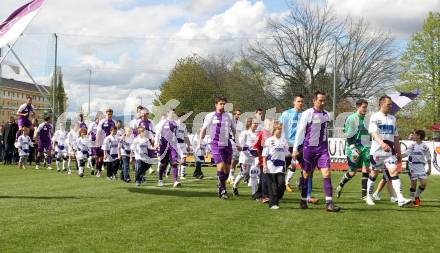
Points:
(81, 174)
(37, 167)
(393, 199)
(160, 183)
(235, 191)
(417, 202)
(369, 200)
(376, 196)
(182, 178)
(176, 184)
(303, 204)
(69, 172)
(98, 174)
(313, 200)
(338, 191)
(49, 168)
(223, 195)
(289, 188)
(404, 202)
(137, 184)
(58, 170)
(275, 207)
(151, 171)
(330, 207)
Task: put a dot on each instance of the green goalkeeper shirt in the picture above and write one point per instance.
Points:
(356, 132)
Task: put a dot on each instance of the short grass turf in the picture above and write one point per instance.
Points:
(46, 211)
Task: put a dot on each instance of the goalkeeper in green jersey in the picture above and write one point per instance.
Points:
(357, 147)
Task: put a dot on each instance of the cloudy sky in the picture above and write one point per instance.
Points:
(130, 46)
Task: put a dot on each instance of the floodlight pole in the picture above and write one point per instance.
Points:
(334, 85)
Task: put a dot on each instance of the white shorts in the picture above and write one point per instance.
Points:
(417, 176)
(60, 150)
(378, 162)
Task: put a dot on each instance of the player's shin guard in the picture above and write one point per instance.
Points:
(175, 172)
(290, 174)
(419, 191)
(309, 186)
(364, 181)
(345, 178)
(395, 181)
(183, 169)
(304, 188)
(162, 170)
(412, 193)
(237, 180)
(370, 185)
(328, 189)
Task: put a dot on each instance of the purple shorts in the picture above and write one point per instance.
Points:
(44, 147)
(97, 151)
(24, 122)
(313, 158)
(168, 155)
(221, 154)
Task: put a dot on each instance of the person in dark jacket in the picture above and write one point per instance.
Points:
(10, 132)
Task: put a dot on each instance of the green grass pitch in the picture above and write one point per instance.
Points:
(46, 211)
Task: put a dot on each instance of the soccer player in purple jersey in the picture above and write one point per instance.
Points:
(24, 112)
(220, 126)
(44, 134)
(166, 142)
(103, 130)
(313, 133)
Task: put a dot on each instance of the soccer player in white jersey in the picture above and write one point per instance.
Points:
(124, 154)
(418, 157)
(183, 145)
(220, 126)
(23, 144)
(111, 152)
(235, 149)
(72, 137)
(59, 140)
(143, 151)
(275, 150)
(246, 141)
(83, 150)
(385, 150)
(312, 132)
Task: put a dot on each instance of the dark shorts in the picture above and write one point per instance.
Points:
(168, 155)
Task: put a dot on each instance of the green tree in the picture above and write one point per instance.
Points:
(188, 83)
(421, 69)
(58, 93)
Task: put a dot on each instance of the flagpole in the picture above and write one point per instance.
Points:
(8, 51)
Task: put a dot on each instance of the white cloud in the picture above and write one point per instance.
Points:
(399, 17)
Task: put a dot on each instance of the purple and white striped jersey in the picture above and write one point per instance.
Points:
(147, 125)
(312, 130)
(104, 127)
(166, 133)
(220, 127)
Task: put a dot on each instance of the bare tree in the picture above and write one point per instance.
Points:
(301, 53)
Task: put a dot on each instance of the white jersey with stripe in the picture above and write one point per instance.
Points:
(141, 148)
(418, 156)
(110, 146)
(82, 147)
(275, 150)
(61, 138)
(385, 127)
(23, 144)
(246, 141)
